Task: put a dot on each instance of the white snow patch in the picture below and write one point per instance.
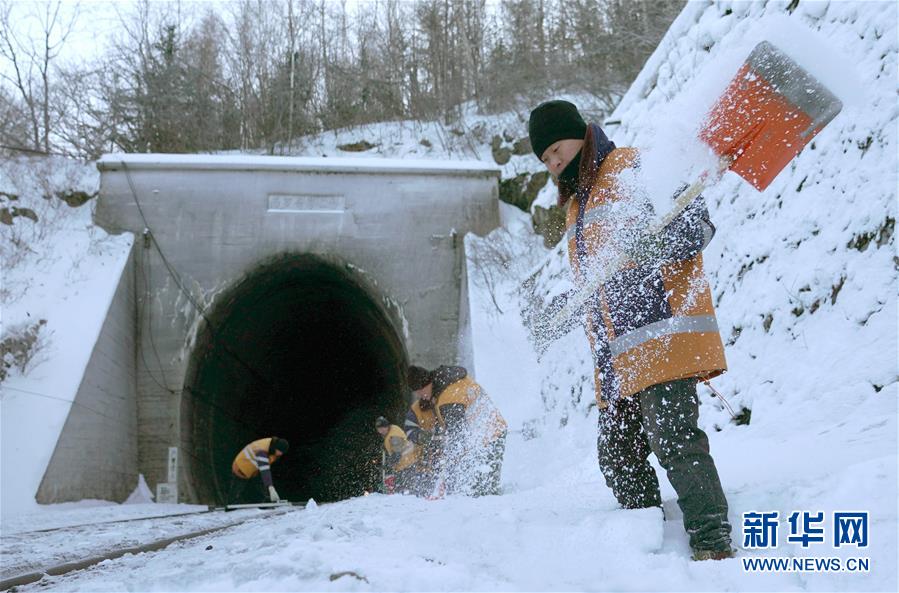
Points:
(142, 493)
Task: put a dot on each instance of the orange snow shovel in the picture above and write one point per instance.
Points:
(771, 109)
(769, 112)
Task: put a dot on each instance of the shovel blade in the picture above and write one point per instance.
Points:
(768, 113)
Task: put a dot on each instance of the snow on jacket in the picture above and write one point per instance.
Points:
(463, 404)
(649, 323)
(255, 459)
(401, 453)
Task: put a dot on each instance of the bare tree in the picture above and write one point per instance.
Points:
(31, 55)
(14, 132)
(256, 74)
(292, 55)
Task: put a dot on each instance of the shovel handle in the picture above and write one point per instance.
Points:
(597, 277)
(686, 197)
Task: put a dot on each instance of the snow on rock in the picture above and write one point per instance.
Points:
(469, 136)
(64, 270)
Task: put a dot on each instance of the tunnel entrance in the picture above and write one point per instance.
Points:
(303, 350)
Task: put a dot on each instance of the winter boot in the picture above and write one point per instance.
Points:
(700, 555)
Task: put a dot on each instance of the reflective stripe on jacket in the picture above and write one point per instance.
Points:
(648, 324)
(253, 459)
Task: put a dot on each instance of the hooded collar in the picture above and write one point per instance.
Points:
(598, 146)
(444, 376)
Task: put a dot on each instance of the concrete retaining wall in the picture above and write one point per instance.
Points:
(96, 455)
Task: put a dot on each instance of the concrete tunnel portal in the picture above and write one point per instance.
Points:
(302, 349)
(299, 332)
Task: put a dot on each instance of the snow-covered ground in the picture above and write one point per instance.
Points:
(70, 532)
(804, 276)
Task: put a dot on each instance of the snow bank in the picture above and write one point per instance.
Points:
(141, 494)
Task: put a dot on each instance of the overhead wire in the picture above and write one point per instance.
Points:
(145, 438)
(200, 309)
(142, 307)
(716, 393)
(73, 402)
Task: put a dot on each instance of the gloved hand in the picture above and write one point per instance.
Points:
(646, 249)
(273, 494)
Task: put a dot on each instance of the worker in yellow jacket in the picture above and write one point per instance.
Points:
(256, 459)
(401, 456)
(471, 427)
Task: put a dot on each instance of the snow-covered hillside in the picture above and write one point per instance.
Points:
(804, 277)
(59, 276)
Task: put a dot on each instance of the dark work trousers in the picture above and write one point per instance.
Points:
(236, 487)
(663, 419)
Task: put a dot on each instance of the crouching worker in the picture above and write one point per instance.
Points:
(256, 459)
(401, 457)
(474, 432)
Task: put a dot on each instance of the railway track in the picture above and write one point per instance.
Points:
(61, 550)
(210, 509)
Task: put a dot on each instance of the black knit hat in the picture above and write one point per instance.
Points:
(418, 377)
(553, 121)
(381, 421)
(279, 444)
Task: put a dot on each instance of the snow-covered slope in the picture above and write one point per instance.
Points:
(62, 269)
(803, 273)
(471, 136)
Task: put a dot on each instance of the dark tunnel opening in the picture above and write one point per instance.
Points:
(300, 349)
